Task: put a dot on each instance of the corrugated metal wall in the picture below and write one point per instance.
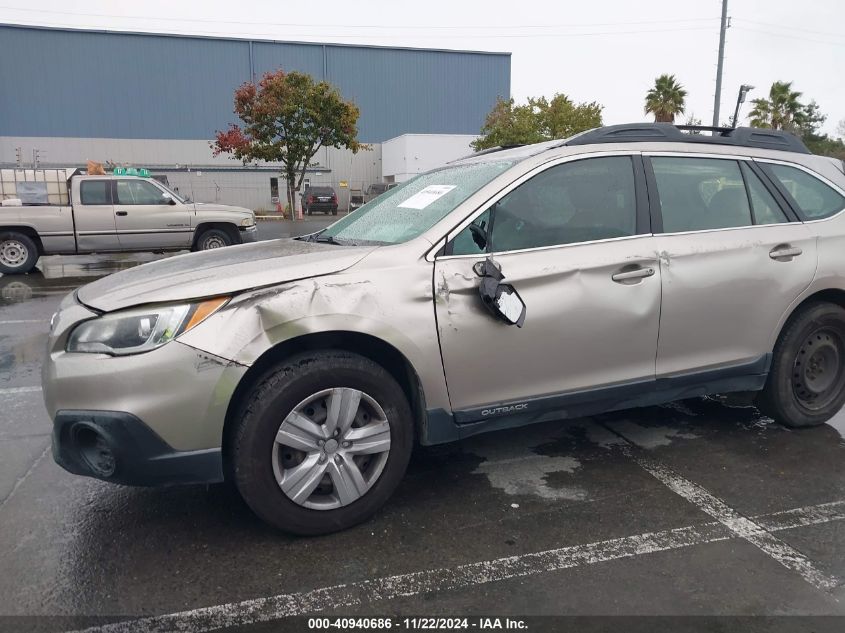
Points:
(117, 85)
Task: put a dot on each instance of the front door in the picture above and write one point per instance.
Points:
(733, 259)
(94, 216)
(569, 241)
(148, 219)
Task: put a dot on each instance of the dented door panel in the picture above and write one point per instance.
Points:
(582, 329)
(383, 296)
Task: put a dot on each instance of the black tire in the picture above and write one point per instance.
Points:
(18, 253)
(278, 393)
(806, 383)
(213, 238)
(334, 211)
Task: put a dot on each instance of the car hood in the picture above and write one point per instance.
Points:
(219, 272)
(209, 207)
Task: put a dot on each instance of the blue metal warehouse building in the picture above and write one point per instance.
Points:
(156, 100)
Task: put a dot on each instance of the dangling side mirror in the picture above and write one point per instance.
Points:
(502, 300)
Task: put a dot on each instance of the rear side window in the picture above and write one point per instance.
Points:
(766, 209)
(815, 199)
(699, 194)
(95, 192)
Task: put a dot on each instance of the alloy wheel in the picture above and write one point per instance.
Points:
(331, 449)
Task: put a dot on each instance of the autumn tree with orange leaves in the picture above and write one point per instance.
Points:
(287, 118)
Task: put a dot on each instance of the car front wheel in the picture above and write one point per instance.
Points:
(213, 238)
(322, 442)
(806, 384)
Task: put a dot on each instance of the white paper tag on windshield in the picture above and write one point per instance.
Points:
(422, 199)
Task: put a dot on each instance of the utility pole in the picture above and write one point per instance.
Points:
(718, 98)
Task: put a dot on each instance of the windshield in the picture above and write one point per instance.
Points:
(404, 212)
(175, 195)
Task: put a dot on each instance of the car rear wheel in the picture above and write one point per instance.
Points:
(213, 238)
(322, 441)
(18, 253)
(806, 384)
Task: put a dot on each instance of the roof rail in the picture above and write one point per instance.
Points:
(669, 133)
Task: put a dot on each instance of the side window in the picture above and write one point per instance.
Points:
(698, 194)
(95, 192)
(138, 192)
(472, 240)
(814, 198)
(580, 201)
(766, 210)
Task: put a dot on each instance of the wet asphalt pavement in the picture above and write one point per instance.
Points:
(694, 508)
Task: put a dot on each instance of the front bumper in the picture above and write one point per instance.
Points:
(117, 447)
(249, 234)
(171, 405)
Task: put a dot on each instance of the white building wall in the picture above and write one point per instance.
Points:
(191, 167)
(405, 156)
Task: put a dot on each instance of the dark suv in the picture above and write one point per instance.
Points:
(319, 199)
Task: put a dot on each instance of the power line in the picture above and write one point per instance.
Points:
(356, 26)
(792, 37)
(790, 28)
(323, 36)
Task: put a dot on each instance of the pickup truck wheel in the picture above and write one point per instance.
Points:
(321, 442)
(213, 238)
(18, 253)
(806, 383)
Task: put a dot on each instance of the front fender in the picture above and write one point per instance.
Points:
(253, 324)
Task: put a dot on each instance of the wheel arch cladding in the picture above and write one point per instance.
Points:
(30, 232)
(368, 346)
(230, 229)
(835, 296)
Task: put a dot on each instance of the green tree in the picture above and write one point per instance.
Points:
(665, 99)
(540, 119)
(783, 109)
(287, 118)
(561, 118)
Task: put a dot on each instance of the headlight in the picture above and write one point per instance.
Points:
(140, 329)
(248, 221)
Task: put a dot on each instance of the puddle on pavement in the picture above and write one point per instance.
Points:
(58, 275)
(650, 437)
(520, 465)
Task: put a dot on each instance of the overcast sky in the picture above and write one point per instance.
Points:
(609, 51)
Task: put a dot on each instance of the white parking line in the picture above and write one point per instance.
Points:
(13, 390)
(739, 525)
(460, 577)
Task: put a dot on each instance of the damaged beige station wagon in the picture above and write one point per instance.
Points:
(627, 266)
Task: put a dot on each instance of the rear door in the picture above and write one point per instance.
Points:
(147, 218)
(93, 215)
(732, 257)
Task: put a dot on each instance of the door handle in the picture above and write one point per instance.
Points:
(121, 213)
(628, 275)
(785, 251)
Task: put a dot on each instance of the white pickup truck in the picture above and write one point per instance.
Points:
(64, 212)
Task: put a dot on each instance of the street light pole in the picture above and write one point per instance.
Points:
(718, 98)
(740, 99)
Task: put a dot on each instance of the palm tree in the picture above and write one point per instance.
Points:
(781, 111)
(665, 99)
